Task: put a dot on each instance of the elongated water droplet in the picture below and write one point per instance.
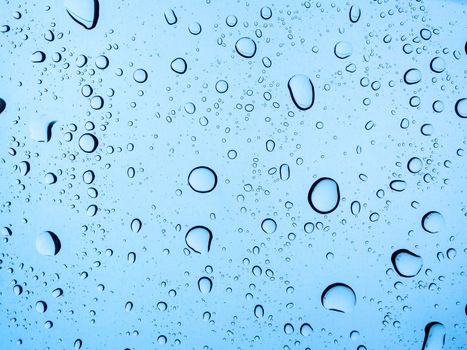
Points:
(398, 185)
(354, 13)
(41, 306)
(284, 172)
(205, 285)
(136, 225)
(202, 179)
(406, 263)
(199, 239)
(259, 311)
(435, 336)
(339, 297)
(47, 243)
(324, 195)
(302, 91)
(170, 17)
(84, 12)
(306, 330)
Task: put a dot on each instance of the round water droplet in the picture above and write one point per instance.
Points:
(306, 330)
(245, 47)
(435, 336)
(343, 49)
(41, 307)
(231, 21)
(412, 76)
(222, 86)
(102, 62)
(88, 143)
(47, 243)
(414, 165)
(437, 65)
(266, 13)
(50, 178)
(324, 195)
(461, 108)
(205, 285)
(433, 222)
(136, 225)
(194, 28)
(406, 263)
(199, 239)
(302, 91)
(140, 75)
(269, 226)
(178, 65)
(339, 297)
(202, 179)
(97, 102)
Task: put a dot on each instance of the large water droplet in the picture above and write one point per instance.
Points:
(178, 65)
(412, 76)
(47, 243)
(38, 57)
(324, 195)
(414, 165)
(461, 108)
(406, 263)
(339, 297)
(205, 285)
(343, 49)
(354, 13)
(246, 47)
(302, 91)
(202, 179)
(140, 75)
(199, 239)
(433, 222)
(269, 226)
(437, 65)
(88, 143)
(435, 335)
(84, 12)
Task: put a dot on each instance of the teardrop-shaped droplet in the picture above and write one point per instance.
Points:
(269, 226)
(202, 179)
(205, 285)
(84, 12)
(136, 225)
(406, 263)
(343, 49)
(412, 76)
(199, 239)
(433, 222)
(245, 47)
(339, 297)
(302, 91)
(435, 336)
(324, 195)
(47, 243)
(178, 65)
(354, 13)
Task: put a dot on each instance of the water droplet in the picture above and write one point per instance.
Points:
(170, 17)
(343, 49)
(306, 330)
(84, 12)
(205, 285)
(259, 311)
(97, 102)
(355, 208)
(2, 105)
(57, 292)
(406, 263)
(302, 91)
(284, 172)
(354, 13)
(269, 226)
(266, 13)
(50, 178)
(461, 108)
(222, 86)
(102, 62)
(245, 47)
(339, 297)
(78, 344)
(433, 222)
(435, 336)
(412, 76)
(202, 179)
(88, 143)
(414, 165)
(38, 57)
(324, 195)
(199, 239)
(88, 177)
(40, 129)
(231, 21)
(288, 328)
(437, 65)
(194, 28)
(136, 225)
(178, 65)
(47, 243)
(398, 185)
(140, 75)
